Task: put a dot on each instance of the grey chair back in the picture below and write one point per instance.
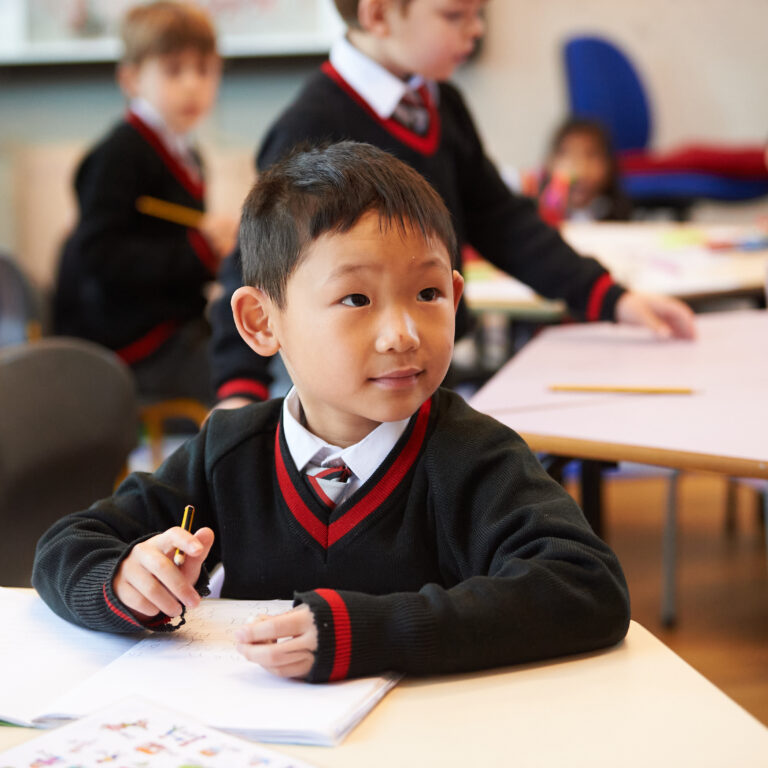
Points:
(68, 420)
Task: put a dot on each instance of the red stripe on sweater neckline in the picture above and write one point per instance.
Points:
(426, 145)
(327, 535)
(193, 186)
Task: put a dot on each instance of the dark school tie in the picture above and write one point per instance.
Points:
(412, 111)
(329, 483)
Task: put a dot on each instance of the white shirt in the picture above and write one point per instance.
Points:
(377, 85)
(180, 145)
(362, 458)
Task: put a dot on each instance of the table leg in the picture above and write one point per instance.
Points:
(669, 555)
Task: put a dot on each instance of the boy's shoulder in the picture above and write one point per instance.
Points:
(227, 429)
(121, 142)
(461, 430)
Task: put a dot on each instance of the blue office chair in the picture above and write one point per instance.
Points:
(604, 85)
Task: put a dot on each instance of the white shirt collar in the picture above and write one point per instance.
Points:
(178, 144)
(363, 458)
(374, 83)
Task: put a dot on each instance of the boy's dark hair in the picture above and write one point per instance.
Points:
(348, 10)
(619, 205)
(327, 189)
(165, 27)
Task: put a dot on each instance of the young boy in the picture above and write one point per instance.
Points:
(132, 281)
(413, 533)
(385, 85)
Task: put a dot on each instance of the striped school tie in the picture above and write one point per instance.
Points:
(328, 483)
(412, 111)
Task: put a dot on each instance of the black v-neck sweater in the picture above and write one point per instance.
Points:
(459, 553)
(128, 280)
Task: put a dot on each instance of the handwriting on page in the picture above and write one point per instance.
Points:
(209, 632)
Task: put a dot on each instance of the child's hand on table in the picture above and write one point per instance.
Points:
(149, 583)
(284, 645)
(667, 317)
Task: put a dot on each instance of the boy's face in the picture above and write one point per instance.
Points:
(181, 86)
(432, 38)
(367, 329)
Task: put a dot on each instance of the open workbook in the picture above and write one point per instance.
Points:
(53, 671)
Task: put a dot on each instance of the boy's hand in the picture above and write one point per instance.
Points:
(149, 583)
(665, 316)
(221, 232)
(284, 645)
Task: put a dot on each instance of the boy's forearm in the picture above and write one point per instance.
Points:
(540, 611)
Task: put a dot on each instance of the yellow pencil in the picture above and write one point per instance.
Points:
(186, 524)
(621, 390)
(162, 209)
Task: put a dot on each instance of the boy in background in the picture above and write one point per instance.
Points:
(132, 281)
(385, 85)
(413, 533)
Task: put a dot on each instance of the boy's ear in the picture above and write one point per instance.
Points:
(251, 308)
(128, 79)
(458, 289)
(373, 16)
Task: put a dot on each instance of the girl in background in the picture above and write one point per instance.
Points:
(581, 179)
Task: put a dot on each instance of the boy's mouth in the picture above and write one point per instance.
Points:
(399, 378)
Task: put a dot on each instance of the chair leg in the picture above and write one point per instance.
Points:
(669, 556)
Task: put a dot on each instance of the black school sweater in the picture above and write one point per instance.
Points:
(505, 228)
(459, 553)
(128, 280)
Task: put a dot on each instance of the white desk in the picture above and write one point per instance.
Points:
(637, 704)
(651, 257)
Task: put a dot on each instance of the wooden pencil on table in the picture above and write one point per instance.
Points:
(620, 389)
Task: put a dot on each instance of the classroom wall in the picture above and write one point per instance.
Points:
(704, 61)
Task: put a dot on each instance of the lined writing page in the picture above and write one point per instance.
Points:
(197, 670)
(42, 655)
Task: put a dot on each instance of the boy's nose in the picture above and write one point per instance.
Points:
(477, 27)
(397, 333)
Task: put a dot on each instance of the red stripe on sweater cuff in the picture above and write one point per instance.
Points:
(245, 387)
(342, 630)
(596, 296)
(112, 607)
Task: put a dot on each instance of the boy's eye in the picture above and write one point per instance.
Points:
(356, 300)
(172, 68)
(429, 294)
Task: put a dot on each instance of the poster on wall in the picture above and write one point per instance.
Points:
(51, 31)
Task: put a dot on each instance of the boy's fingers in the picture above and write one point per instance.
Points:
(177, 538)
(296, 622)
(298, 669)
(133, 599)
(154, 592)
(205, 537)
(176, 581)
(274, 654)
